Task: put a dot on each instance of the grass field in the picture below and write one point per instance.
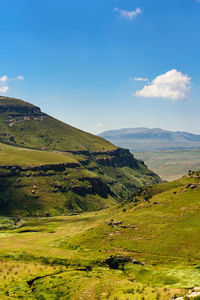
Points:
(170, 165)
(10, 155)
(64, 257)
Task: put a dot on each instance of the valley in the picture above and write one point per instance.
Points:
(173, 164)
(83, 219)
(144, 249)
(143, 139)
(99, 150)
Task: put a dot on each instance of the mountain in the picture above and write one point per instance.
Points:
(145, 139)
(23, 124)
(50, 168)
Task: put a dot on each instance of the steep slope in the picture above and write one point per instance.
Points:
(23, 124)
(63, 169)
(36, 182)
(145, 139)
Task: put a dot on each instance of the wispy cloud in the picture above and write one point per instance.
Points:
(4, 89)
(99, 125)
(4, 84)
(140, 79)
(128, 14)
(5, 80)
(172, 85)
(20, 77)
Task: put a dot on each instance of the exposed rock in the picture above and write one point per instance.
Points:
(192, 186)
(19, 113)
(192, 294)
(114, 223)
(116, 158)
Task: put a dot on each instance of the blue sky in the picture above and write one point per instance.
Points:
(80, 61)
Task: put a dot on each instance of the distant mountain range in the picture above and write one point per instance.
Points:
(146, 139)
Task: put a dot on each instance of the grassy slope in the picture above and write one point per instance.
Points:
(61, 192)
(171, 165)
(54, 134)
(162, 232)
(50, 132)
(10, 155)
(75, 191)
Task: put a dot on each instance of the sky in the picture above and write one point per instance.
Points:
(104, 64)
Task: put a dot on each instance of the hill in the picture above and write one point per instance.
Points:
(145, 139)
(50, 168)
(23, 124)
(147, 248)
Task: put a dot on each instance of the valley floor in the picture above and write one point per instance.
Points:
(171, 165)
(139, 250)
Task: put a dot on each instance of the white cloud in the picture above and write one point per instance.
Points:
(128, 14)
(99, 125)
(5, 82)
(3, 79)
(20, 77)
(172, 85)
(140, 79)
(4, 89)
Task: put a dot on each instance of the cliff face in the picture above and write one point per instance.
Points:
(95, 182)
(116, 158)
(14, 113)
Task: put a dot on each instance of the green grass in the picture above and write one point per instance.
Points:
(171, 165)
(50, 188)
(10, 155)
(60, 269)
(48, 133)
(100, 176)
(67, 252)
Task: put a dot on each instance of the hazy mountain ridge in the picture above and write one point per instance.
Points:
(146, 139)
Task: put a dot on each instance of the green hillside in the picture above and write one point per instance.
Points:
(147, 248)
(50, 168)
(11, 155)
(23, 124)
(41, 182)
